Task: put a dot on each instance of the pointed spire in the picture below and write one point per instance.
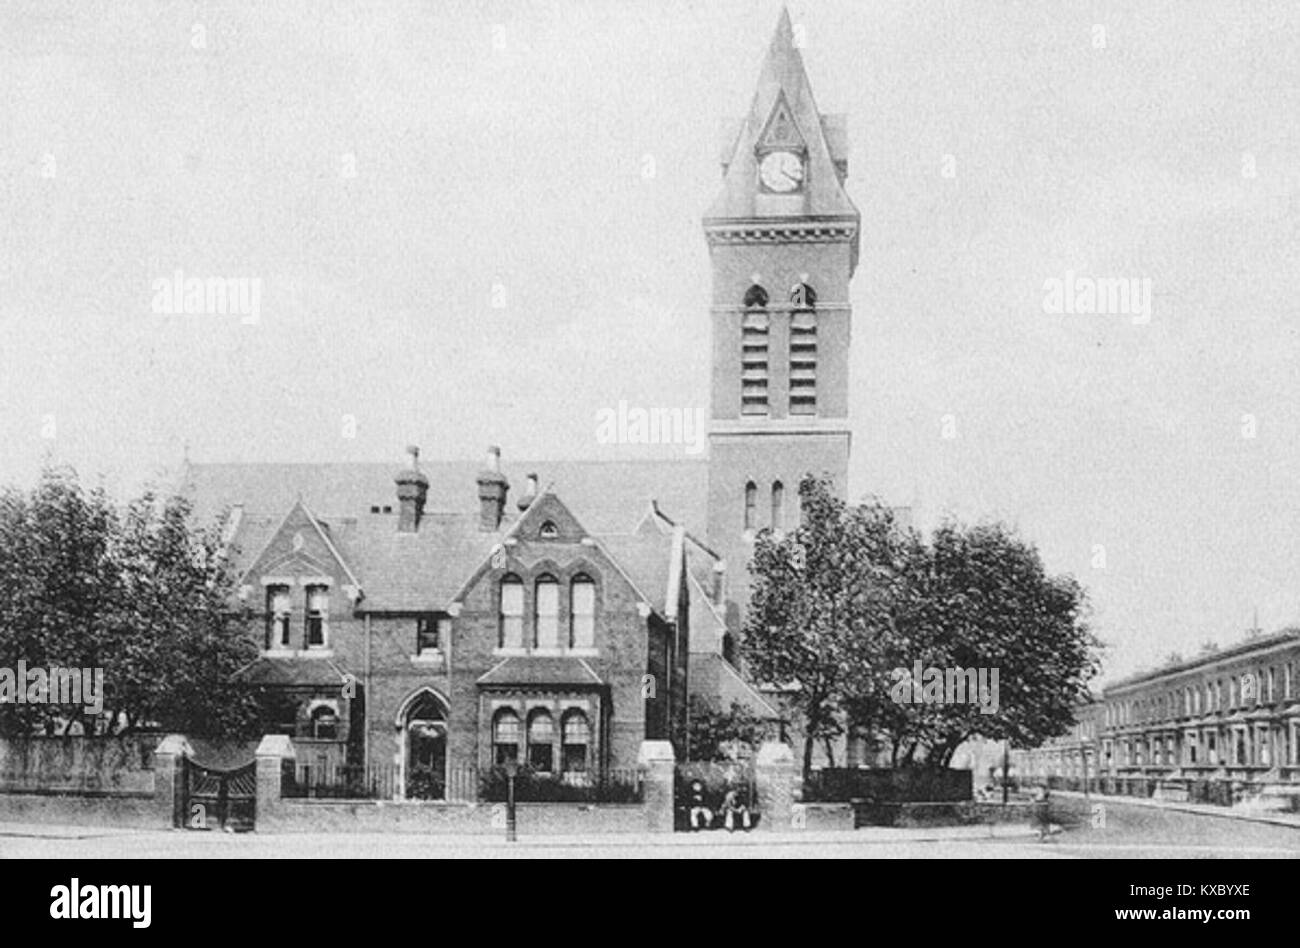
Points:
(784, 115)
(784, 29)
(784, 63)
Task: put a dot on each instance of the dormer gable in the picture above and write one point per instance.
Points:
(301, 552)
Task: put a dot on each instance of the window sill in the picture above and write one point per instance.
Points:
(314, 652)
(428, 657)
(545, 652)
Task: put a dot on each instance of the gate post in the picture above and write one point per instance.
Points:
(774, 774)
(271, 754)
(168, 778)
(658, 766)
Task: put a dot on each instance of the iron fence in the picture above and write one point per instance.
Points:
(611, 785)
(330, 781)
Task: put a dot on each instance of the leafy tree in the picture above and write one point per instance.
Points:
(58, 580)
(711, 729)
(847, 598)
(820, 610)
(140, 594)
(980, 598)
(180, 642)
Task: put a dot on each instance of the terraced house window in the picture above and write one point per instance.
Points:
(505, 737)
(547, 629)
(582, 613)
(318, 611)
(278, 610)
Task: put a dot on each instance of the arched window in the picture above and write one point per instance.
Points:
(751, 500)
(803, 296)
(512, 612)
(753, 353)
(778, 505)
(582, 612)
(575, 736)
(546, 632)
(505, 737)
(803, 350)
(541, 741)
(325, 723)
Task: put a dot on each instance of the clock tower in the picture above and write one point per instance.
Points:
(783, 240)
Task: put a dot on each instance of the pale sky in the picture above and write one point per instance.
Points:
(564, 153)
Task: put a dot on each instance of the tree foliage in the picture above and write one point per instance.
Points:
(849, 597)
(819, 620)
(715, 735)
(139, 593)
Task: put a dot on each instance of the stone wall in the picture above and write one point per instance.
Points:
(78, 763)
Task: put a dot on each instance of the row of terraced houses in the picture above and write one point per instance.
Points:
(1222, 727)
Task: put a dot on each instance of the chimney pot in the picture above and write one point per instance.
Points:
(530, 493)
(492, 490)
(412, 492)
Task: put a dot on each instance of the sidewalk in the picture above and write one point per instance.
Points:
(1290, 820)
(757, 838)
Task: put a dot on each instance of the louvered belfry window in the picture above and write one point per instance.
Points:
(754, 353)
(803, 351)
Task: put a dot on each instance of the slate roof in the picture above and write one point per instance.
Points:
(560, 670)
(422, 571)
(605, 496)
(317, 672)
(712, 676)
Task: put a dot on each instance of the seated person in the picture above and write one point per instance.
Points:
(701, 815)
(735, 811)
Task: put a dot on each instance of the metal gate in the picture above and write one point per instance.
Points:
(220, 799)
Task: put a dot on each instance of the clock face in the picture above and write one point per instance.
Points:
(781, 171)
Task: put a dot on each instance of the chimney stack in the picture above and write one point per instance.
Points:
(412, 491)
(492, 489)
(529, 495)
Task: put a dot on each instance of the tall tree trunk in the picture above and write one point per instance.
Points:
(830, 752)
(807, 755)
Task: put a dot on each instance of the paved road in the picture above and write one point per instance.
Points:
(1129, 830)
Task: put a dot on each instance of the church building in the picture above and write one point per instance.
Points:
(450, 615)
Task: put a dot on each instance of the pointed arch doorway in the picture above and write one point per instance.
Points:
(423, 725)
